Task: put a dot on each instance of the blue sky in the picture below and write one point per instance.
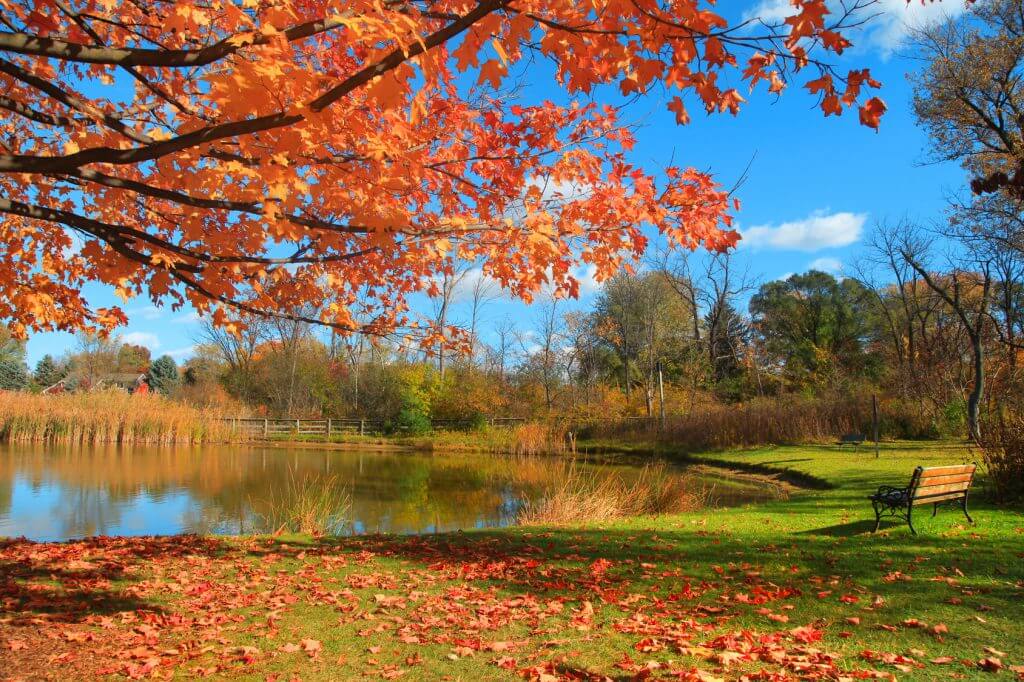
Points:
(814, 190)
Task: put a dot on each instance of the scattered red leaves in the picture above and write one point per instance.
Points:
(88, 609)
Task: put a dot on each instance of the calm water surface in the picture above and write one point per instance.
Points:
(54, 493)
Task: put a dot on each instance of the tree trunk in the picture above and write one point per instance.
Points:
(977, 391)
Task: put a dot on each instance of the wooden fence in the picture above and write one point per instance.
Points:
(268, 428)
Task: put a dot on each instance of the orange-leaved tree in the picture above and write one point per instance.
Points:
(323, 160)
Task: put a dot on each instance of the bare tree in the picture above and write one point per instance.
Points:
(968, 295)
(483, 292)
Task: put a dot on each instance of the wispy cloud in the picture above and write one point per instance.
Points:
(816, 232)
(885, 32)
(181, 353)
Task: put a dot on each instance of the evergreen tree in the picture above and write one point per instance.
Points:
(163, 374)
(13, 371)
(13, 374)
(48, 372)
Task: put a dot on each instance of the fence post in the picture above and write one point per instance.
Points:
(362, 427)
(266, 428)
(296, 427)
(328, 427)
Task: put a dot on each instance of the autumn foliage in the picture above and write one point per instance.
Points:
(324, 160)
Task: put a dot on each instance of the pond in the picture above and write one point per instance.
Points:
(52, 492)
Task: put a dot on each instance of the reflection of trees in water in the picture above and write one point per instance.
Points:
(86, 511)
(230, 486)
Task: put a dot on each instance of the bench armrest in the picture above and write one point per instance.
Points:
(891, 496)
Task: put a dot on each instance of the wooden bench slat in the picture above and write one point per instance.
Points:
(946, 470)
(938, 498)
(925, 491)
(946, 478)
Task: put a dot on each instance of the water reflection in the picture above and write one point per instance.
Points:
(54, 493)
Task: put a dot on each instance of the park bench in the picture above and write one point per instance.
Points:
(852, 439)
(931, 485)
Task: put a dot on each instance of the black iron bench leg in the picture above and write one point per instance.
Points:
(910, 510)
(963, 505)
(878, 516)
(935, 509)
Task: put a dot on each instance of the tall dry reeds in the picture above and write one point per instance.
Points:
(594, 495)
(540, 438)
(792, 421)
(111, 416)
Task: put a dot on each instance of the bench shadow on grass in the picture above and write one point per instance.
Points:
(848, 529)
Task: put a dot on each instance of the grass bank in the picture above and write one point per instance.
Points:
(788, 589)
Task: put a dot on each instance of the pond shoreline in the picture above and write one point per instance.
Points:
(787, 481)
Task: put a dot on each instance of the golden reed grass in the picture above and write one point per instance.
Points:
(105, 417)
(592, 495)
(760, 422)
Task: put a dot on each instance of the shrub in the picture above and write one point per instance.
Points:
(411, 421)
(1002, 448)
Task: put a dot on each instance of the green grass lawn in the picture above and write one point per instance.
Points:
(794, 588)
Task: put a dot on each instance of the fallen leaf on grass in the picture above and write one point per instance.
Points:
(990, 664)
(311, 647)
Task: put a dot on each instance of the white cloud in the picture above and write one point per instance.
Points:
(146, 339)
(816, 232)
(886, 31)
(181, 353)
(150, 312)
(832, 265)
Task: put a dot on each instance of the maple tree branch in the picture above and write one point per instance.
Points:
(244, 307)
(118, 234)
(252, 207)
(70, 101)
(81, 22)
(33, 115)
(54, 48)
(10, 163)
(398, 56)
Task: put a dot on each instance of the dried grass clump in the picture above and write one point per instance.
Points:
(111, 416)
(539, 438)
(592, 495)
(312, 503)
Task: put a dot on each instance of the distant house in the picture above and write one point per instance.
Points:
(58, 388)
(132, 382)
(128, 381)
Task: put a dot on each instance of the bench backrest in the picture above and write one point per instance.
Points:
(938, 484)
